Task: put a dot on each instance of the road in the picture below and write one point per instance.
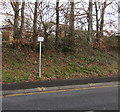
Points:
(98, 98)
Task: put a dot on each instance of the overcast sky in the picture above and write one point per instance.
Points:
(59, 0)
(107, 18)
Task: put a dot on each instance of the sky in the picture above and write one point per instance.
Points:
(3, 17)
(59, 0)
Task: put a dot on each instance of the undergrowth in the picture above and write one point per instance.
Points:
(71, 62)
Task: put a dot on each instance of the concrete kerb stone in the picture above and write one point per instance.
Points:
(6, 92)
(41, 89)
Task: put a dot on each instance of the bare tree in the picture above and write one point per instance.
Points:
(119, 16)
(59, 15)
(46, 20)
(102, 18)
(90, 27)
(57, 23)
(71, 21)
(64, 11)
(22, 19)
(100, 9)
(97, 20)
(35, 33)
(15, 6)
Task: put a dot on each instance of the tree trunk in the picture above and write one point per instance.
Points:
(46, 37)
(57, 23)
(97, 22)
(15, 6)
(99, 26)
(16, 35)
(22, 19)
(71, 22)
(90, 28)
(102, 19)
(35, 35)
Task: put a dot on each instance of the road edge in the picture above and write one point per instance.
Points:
(44, 89)
(55, 83)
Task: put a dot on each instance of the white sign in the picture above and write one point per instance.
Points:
(41, 39)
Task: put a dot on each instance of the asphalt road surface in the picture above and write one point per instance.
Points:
(104, 98)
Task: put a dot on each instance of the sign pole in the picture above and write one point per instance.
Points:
(40, 39)
(40, 60)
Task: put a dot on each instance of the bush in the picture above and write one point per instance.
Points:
(67, 49)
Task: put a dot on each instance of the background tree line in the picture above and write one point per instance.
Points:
(52, 19)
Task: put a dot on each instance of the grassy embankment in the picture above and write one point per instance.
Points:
(83, 61)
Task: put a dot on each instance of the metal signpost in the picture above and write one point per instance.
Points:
(40, 39)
